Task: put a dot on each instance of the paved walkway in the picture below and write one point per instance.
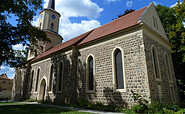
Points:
(70, 108)
(79, 109)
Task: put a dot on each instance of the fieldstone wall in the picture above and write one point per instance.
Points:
(138, 68)
(135, 69)
(165, 84)
(67, 95)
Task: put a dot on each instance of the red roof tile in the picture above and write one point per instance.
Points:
(63, 45)
(124, 22)
(115, 26)
(3, 76)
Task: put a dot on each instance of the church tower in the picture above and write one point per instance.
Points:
(48, 22)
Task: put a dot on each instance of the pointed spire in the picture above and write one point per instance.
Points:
(51, 4)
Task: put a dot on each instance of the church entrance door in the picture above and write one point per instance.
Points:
(42, 90)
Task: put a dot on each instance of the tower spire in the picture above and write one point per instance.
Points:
(51, 4)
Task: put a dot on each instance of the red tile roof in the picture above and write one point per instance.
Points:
(61, 46)
(122, 23)
(3, 76)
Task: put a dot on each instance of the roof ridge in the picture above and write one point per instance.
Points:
(121, 17)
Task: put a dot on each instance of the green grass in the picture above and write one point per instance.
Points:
(9, 103)
(11, 108)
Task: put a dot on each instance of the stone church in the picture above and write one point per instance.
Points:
(131, 53)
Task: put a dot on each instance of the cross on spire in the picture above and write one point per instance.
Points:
(51, 4)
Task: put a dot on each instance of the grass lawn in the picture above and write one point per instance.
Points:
(16, 108)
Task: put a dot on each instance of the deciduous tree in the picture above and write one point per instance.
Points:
(20, 33)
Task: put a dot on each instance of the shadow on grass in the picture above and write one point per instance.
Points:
(32, 109)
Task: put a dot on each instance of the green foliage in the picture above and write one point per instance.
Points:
(20, 33)
(127, 11)
(160, 108)
(142, 103)
(172, 19)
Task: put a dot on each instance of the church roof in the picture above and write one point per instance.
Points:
(117, 25)
(3, 76)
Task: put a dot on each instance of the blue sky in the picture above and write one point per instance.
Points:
(80, 16)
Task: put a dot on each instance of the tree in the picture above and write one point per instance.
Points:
(127, 11)
(21, 33)
(172, 19)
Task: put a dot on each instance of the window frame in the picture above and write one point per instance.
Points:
(157, 63)
(114, 70)
(52, 26)
(37, 79)
(87, 74)
(58, 76)
(172, 93)
(32, 80)
(50, 87)
(168, 68)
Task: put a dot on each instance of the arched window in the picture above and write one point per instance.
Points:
(32, 75)
(168, 67)
(51, 78)
(155, 63)
(119, 76)
(90, 76)
(38, 72)
(60, 76)
(52, 26)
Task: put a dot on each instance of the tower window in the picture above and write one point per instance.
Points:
(52, 26)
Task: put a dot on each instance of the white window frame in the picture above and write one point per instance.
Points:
(87, 74)
(37, 81)
(158, 79)
(114, 70)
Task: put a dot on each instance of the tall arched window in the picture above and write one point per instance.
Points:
(118, 65)
(52, 26)
(168, 67)
(51, 77)
(155, 63)
(90, 77)
(32, 75)
(60, 76)
(38, 72)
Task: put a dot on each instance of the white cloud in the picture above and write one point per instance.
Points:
(35, 21)
(129, 3)
(71, 30)
(155, 3)
(76, 8)
(19, 47)
(112, 1)
(10, 72)
(175, 4)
